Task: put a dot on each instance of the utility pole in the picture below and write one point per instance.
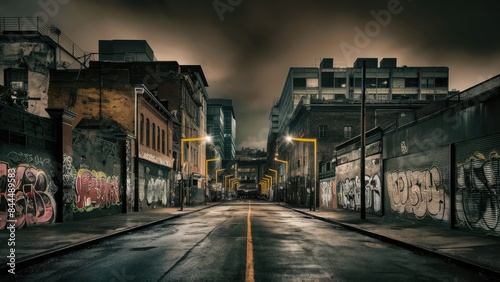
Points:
(362, 149)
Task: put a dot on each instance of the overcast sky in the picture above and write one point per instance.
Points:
(246, 47)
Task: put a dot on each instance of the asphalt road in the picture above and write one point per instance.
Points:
(245, 241)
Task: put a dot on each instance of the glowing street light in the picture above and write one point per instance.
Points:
(311, 140)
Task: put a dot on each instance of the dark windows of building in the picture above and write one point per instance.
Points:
(322, 131)
(441, 82)
(158, 138)
(383, 83)
(327, 79)
(427, 82)
(371, 82)
(411, 82)
(142, 130)
(16, 79)
(355, 82)
(147, 132)
(347, 132)
(340, 82)
(299, 82)
(163, 141)
(154, 137)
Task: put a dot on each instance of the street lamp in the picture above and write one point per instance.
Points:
(226, 185)
(206, 175)
(183, 140)
(286, 174)
(275, 181)
(313, 190)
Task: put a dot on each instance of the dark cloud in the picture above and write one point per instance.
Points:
(246, 55)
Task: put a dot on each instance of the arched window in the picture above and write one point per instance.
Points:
(158, 138)
(147, 132)
(141, 132)
(163, 141)
(154, 137)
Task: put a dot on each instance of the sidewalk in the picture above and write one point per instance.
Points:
(40, 242)
(463, 248)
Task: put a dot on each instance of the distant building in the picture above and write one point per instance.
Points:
(324, 103)
(229, 148)
(125, 50)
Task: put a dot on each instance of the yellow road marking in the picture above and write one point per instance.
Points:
(249, 272)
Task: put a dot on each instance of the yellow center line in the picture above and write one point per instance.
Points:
(249, 272)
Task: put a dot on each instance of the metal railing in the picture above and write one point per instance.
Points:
(32, 25)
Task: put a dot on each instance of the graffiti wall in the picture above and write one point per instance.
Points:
(477, 198)
(154, 186)
(328, 194)
(33, 196)
(95, 175)
(348, 185)
(417, 186)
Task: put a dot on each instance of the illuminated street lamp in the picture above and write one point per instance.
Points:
(207, 139)
(206, 175)
(313, 190)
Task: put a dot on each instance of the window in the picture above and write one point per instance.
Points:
(312, 82)
(327, 79)
(154, 137)
(142, 130)
(427, 82)
(17, 79)
(158, 138)
(299, 82)
(322, 131)
(411, 82)
(441, 82)
(163, 141)
(371, 82)
(147, 132)
(340, 82)
(347, 132)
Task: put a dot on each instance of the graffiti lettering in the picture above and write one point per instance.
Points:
(478, 192)
(95, 190)
(33, 203)
(418, 192)
(349, 193)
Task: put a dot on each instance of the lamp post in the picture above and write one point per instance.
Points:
(183, 140)
(313, 190)
(217, 180)
(226, 185)
(286, 174)
(275, 181)
(206, 175)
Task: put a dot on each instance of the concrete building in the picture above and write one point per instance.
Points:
(324, 103)
(29, 48)
(229, 126)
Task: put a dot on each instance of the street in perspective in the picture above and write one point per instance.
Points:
(232, 140)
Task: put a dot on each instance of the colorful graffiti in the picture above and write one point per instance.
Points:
(418, 192)
(478, 192)
(34, 204)
(94, 189)
(349, 193)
